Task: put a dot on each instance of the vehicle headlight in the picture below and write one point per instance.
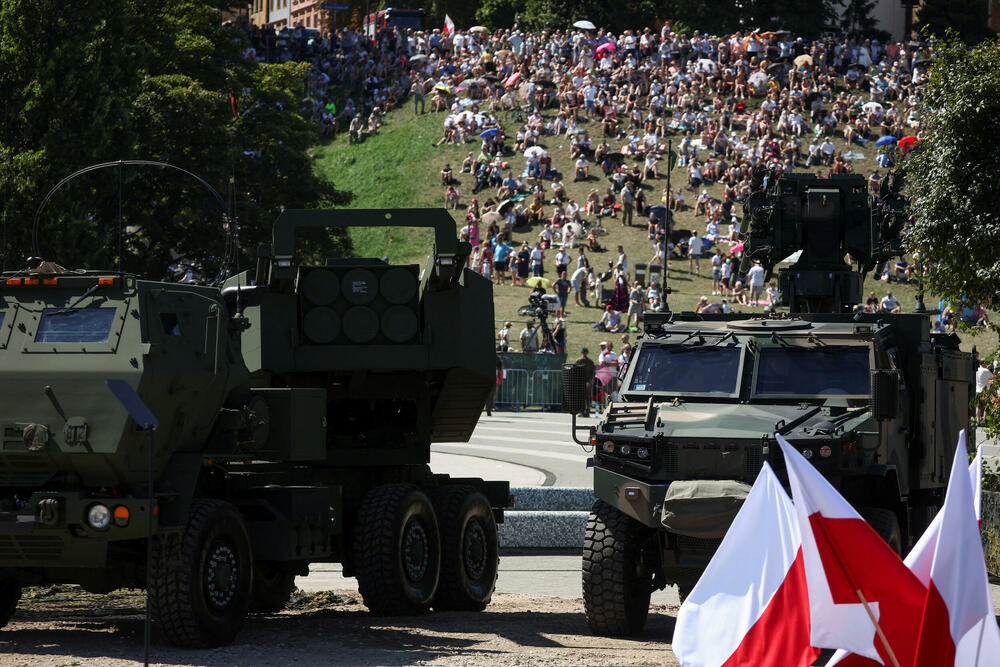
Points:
(608, 447)
(642, 452)
(99, 516)
(626, 450)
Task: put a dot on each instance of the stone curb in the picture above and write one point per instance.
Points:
(552, 498)
(543, 529)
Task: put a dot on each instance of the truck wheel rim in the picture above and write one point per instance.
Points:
(415, 551)
(474, 551)
(221, 576)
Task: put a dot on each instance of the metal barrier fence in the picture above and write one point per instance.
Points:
(542, 388)
(530, 388)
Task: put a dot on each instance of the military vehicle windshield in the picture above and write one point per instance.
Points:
(687, 370)
(86, 325)
(813, 371)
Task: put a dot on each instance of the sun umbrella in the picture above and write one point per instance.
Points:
(545, 83)
(872, 106)
(758, 78)
(503, 53)
(907, 142)
(776, 67)
(659, 211)
(485, 134)
(616, 156)
(492, 216)
(538, 281)
(534, 152)
(804, 59)
(443, 88)
(887, 140)
(585, 25)
(706, 65)
(479, 28)
(921, 60)
(737, 248)
(605, 48)
(419, 58)
(490, 77)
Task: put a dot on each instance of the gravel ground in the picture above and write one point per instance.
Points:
(63, 626)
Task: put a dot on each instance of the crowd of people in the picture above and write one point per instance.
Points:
(729, 104)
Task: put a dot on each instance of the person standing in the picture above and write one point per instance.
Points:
(628, 204)
(755, 276)
(561, 288)
(417, 90)
(634, 306)
(695, 246)
(529, 338)
(503, 338)
(579, 281)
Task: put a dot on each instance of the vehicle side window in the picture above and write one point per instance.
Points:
(171, 324)
(84, 325)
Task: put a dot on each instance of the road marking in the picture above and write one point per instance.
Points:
(548, 443)
(581, 457)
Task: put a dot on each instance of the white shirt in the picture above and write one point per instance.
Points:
(755, 276)
(694, 246)
(607, 357)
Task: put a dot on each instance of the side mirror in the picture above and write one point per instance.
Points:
(885, 394)
(574, 389)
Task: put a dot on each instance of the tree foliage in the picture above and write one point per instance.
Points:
(954, 176)
(856, 17)
(967, 18)
(98, 81)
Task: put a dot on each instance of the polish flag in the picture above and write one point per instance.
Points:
(449, 25)
(921, 559)
(958, 626)
(861, 596)
(750, 607)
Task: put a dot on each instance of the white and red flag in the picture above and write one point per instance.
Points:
(750, 607)
(921, 560)
(862, 597)
(958, 627)
(449, 25)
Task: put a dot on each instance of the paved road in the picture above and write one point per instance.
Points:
(537, 441)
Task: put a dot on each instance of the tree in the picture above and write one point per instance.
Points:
(148, 80)
(856, 18)
(953, 176)
(968, 18)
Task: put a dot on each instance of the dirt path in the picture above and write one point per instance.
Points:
(64, 627)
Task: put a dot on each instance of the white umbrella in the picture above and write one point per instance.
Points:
(706, 65)
(479, 28)
(585, 25)
(872, 106)
(534, 151)
(758, 78)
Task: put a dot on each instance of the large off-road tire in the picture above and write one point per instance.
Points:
(10, 594)
(397, 550)
(273, 585)
(470, 552)
(615, 593)
(201, 585)
(886, 524)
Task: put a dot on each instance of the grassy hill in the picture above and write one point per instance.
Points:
(399, 168)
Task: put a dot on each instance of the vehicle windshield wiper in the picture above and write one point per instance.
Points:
(72, 308)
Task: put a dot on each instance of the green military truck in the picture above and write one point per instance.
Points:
(296, 410)
(873, 400)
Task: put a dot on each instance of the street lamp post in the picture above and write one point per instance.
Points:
(664, 307)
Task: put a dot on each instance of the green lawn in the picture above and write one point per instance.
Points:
(399, 168)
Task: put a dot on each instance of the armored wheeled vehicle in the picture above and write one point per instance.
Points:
(874, 400)
(296, 410)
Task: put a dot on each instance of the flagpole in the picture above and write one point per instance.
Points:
(878, 628)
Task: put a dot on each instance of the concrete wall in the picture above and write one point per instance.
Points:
(990, 527)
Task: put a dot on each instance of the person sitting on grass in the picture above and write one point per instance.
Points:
(611, 320)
